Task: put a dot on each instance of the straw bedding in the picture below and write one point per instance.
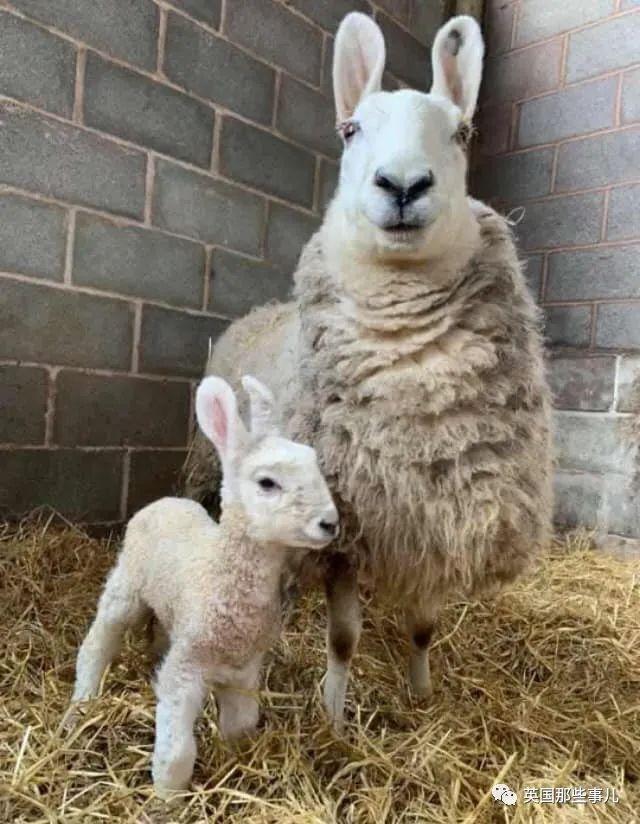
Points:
(538, 687)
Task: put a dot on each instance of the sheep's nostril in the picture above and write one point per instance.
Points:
(387, 183)
(419, 187)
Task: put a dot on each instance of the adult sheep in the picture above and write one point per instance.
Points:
(411, 358)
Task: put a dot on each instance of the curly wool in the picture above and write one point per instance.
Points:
(427, 402)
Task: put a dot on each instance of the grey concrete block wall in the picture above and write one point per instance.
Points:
(559, 138)
(162, 163)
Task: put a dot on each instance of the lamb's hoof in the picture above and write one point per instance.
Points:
(166, 793)
(420, 683)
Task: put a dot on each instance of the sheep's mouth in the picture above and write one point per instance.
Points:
(403, 226)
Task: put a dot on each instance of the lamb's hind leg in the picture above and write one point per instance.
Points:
(344, 625)
(119, 608)
(420, 625)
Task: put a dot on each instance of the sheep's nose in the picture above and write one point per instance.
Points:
(403, 194)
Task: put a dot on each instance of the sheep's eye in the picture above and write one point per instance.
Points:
(463, 134)
(268, 484)
(348, 129)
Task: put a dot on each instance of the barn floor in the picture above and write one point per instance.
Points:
(537, 688)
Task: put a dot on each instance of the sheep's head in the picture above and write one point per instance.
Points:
(276, 481)
(402, 182)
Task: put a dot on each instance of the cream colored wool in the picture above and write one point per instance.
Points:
(423, 391)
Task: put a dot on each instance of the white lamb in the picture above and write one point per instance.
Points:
(214, 588)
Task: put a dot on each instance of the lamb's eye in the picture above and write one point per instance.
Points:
(348, 129)
(268, 484)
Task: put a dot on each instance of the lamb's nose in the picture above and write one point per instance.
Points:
(328, 527)
(388, 183)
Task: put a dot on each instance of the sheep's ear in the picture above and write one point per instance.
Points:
(456, 58)
(262, 406)
(217, 414)
(358, 62)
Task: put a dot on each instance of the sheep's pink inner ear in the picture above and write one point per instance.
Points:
(220, 424)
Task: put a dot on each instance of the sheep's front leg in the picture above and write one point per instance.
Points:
(420, 625)
(343, 633)
(181, 690)
(119, 608)
(238, 706)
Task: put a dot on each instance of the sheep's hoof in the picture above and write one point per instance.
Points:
(420, 679)
(166, 793)
(334, 697)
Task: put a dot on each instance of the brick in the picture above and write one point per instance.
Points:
(568, 325)
(80, 485)
(493, 129)
(287, 233)
(628, 384)
(539, 19)
(593, 443)
(59, 326)
(561, 221)
(93, 410)
(533, 274)
(175, 343)
(265, 162)
(238, 284)
(578, 499)
(32, 237)
(568, 113)
(329, 13)
(36, 66)
(326, 86)
(125, 29)
(623, 219)
(585, 384)
(630, 110)
(307, 117)
(138, 262)
(281, 37)
(515, 177)
(135, 108)
(153, 475)
(399, 9)
(623, 506)
(207, 209)
(407, 58)
(606, 272)
(498, 25)
(211, 67)
(522, 74)
(618, 326)
(604, 47)
(206, 10)
(598, 161)
(23, 400)
(425, 20)
(62, 161)
(329, 173)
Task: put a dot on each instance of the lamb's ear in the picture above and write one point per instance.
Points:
(217, 414)
(456, 58)
(358, 62)
(262, 405)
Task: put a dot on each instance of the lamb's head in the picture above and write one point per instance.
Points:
(402, 190)
(277, 482)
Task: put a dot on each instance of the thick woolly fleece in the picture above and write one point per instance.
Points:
(424, 393)
(211, 586)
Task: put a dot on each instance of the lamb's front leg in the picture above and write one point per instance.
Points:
(238, 706)
(181, 690)
(343, 633)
